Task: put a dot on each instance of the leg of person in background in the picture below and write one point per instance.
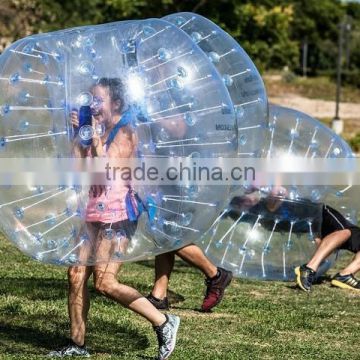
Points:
(195, 257)
(330, 243)
(164, 265)
(217, 279)
(305, 274)
(353, 267)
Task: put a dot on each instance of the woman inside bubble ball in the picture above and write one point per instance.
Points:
(106, 215)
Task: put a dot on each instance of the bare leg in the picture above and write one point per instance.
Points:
(164, 265)
(193, 255)
(353, 267)
(330, 243)
(317, 242)
(105, 276)
(78, 297)
(78, 301)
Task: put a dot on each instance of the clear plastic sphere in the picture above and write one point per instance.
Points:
(268, 231)
(175, 104)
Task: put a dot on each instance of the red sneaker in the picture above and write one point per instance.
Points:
(215, 289)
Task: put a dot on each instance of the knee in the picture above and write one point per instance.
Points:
(103, 285)
(77, 276)
(346, 233)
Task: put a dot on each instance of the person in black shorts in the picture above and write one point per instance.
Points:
(336, 233)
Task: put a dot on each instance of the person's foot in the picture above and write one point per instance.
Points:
(166, 334)
(346, 282)
(160, 304)
(215, 289)
(304, 277)
(70, 350)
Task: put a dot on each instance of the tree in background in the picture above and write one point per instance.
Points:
(317, 23)
(271, 31)
(18, 18)
(263, 31)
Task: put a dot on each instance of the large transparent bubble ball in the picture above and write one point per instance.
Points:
(176, 104)
(265, 233)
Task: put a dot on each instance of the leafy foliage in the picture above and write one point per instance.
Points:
(271, 31)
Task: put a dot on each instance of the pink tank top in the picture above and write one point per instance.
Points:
(107, 204)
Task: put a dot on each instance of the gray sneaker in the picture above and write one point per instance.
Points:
(70, 350)
(166, 334)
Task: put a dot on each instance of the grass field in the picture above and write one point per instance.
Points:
(256, 320)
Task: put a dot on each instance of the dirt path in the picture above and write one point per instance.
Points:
(318, 108)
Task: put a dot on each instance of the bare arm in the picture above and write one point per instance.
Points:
(123, 146)
(274, 201)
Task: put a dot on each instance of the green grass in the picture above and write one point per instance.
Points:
(256, 320)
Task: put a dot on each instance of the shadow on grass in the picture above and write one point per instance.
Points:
(174, 297)
(35, 334)
(195, 309)
(34, 288)
(115, 338)
(16, 339)
(33, 338)
(323, 279)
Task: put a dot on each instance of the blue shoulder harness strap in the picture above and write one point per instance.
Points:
(125, 119)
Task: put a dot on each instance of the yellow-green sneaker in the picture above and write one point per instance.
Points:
(304, 277)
